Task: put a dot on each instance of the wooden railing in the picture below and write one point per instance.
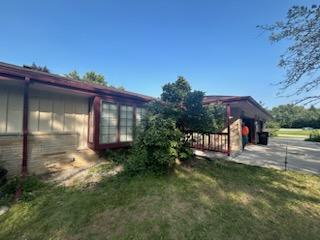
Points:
(218, 142)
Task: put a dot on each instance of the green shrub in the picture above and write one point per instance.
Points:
(184, 151)
(30, 185)
(314, 136)
(118, 156)
(156, 147)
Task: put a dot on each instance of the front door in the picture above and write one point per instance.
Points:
(249, 122)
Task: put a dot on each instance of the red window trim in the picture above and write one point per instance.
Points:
(97, 112)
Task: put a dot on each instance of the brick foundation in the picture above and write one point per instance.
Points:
(44, 150)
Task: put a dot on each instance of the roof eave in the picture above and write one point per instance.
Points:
(56, 80)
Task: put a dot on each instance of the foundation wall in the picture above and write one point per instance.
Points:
(44, 149)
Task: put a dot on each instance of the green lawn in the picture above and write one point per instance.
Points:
(203, 200)
(294, 133)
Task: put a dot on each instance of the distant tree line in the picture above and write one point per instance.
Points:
(293, 116)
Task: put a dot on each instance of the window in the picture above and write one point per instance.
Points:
(140, 113)
(108, 123)
(126, 123)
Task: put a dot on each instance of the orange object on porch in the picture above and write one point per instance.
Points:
(245, 131)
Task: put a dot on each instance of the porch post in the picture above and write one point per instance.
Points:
(25, 127)
(229, 133)
(254, 130)
(96, 129)
(118, 123)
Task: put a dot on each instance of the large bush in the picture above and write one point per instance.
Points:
(314, 136)
(156, 147)
(161, 139)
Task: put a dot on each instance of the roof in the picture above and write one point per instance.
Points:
(233, 99)
(18, 72)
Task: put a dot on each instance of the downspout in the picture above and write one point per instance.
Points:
(96, 129)
(229, 132)
(25, 132)
(25, 127)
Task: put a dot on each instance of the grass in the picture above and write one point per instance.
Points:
(202, 200)
(294, 133)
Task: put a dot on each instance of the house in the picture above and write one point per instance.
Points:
(241, 110)
(46, 117)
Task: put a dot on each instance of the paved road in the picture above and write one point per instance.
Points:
(304, 156)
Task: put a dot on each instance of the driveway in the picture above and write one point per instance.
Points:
(301, 155)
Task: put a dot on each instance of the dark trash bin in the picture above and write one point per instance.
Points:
(263, 138)
(3, 176)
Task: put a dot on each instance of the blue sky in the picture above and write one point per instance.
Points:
(144, 44)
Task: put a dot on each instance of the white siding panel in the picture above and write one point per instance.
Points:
(69, 122)
(15, 106)
(69, 118)
(69, 106)
(58, 115)
(45, 121)
(82, 121)
(3, 110)
(81, 107)
(85, 128)
(33, 114)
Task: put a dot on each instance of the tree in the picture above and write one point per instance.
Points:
(286, 115)
(185, 107)
(90, 77)
(175, 93)
(198, 118)
(121, 88)
(302, 59)
(93, 77)
(38, 68)
(74, 75)
(292, 116)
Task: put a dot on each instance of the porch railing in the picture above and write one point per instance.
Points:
(217, 142)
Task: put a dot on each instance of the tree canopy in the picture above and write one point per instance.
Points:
(90, 77)
(302, 58)
(185, 106)
(293, 116)
(38, 68)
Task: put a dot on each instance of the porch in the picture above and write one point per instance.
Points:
(229, 141)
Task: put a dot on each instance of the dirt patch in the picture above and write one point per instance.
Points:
(84, 176)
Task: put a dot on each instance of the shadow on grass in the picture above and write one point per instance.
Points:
(203, 200)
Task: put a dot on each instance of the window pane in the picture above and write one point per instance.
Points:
(140, 112)
(126, 123)
(108, 123)
(129, 123)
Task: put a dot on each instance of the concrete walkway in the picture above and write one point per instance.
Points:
(304, 156)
